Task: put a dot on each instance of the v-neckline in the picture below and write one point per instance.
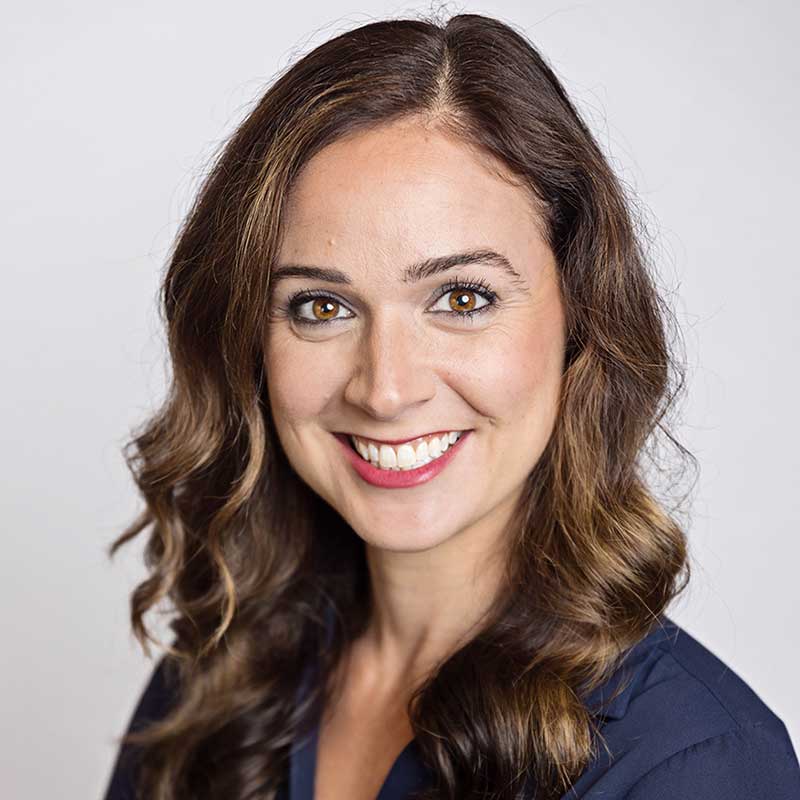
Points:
(407, 773)
(399, 780)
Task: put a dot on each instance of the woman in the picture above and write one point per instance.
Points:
(395, 494)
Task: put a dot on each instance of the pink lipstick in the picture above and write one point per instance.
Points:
(401, 478)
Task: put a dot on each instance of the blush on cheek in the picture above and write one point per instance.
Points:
(302, 378)
(510, 383)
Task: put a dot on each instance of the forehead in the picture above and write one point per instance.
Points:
(402, 192)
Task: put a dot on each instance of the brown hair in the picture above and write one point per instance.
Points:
(233, 544)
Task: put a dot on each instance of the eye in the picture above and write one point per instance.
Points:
(464, 299)
(461, 300)
(322, 308)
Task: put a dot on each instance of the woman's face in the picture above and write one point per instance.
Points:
(388, 353)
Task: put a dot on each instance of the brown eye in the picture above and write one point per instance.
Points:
(324, 308)
(462, 300)
(320, 309)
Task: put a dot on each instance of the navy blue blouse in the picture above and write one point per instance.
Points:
(684, 726)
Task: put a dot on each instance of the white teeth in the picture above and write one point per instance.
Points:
(388, 457)
(405, 456)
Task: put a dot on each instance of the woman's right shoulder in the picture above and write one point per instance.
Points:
(154, 703)
(159, 695)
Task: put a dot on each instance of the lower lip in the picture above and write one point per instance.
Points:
(400, 478)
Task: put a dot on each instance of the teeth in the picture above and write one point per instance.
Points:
(363, 450)
(405, 456)
(388, 457)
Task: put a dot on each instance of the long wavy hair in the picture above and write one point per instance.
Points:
(234, 545)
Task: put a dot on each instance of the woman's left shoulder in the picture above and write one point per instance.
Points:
(749, 762)
(679, 722)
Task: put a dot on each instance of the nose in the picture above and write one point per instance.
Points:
(390, 373)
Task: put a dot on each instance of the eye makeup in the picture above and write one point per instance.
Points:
(294, 302)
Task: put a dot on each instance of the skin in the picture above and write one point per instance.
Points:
(389, 368)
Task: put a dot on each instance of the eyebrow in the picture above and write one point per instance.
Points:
(411, 274)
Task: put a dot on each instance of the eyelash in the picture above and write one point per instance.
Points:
(477, 285)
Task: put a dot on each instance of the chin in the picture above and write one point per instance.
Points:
(402, 539)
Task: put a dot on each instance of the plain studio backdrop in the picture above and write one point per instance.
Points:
(111, 113)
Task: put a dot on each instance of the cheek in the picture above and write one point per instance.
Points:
(512, 373)
(300, 380)
(299, 384)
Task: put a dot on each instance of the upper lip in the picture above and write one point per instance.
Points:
(402, 441)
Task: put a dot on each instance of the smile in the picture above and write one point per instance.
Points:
(408, 455)
(405, 464)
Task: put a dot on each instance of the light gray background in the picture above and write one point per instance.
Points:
(111, 112)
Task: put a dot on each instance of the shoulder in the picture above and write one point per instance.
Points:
(748, 762)
(679, 722)
(154, 703)
(159, 694)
